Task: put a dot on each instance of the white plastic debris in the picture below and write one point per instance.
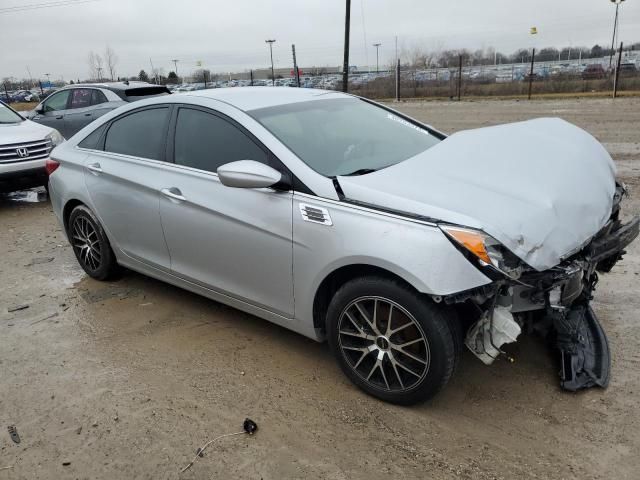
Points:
(485, 337)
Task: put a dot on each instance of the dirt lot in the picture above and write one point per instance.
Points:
(127, 379)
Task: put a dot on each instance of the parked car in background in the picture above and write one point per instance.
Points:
(594, 71)
(72, 108)
(628, 69)
(345, 220)
(24, 149)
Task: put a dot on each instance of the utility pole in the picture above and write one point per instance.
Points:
(345, 63)
(295, 66)
(377, 45)
(31, 85)
(273, 75)
(615, 31)
(251, 77)
(153, 70)
(397, 72)
(398, 81)
(175, 64)
(459, 77)
(533, 57)
(615, 79)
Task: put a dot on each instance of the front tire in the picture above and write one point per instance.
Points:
(390, 340)
(90, 244)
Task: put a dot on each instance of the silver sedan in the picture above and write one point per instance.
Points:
(345, 220)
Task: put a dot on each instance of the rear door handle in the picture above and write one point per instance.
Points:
(173, 193)
(87, 114)
(59, 117)
(95, 167)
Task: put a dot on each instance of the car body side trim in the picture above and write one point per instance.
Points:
(371, 209)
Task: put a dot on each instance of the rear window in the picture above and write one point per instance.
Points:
(134, 94)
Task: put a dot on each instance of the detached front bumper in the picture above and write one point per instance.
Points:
(584, 349)
(555, 303)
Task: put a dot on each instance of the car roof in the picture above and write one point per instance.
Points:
(115, 86)
(253, 98)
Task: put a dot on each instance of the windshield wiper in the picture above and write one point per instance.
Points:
(362, 171)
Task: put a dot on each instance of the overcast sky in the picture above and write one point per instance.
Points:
(228, 35)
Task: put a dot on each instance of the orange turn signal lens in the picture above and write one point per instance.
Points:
(472, 240)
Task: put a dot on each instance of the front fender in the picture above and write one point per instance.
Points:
(415, 251)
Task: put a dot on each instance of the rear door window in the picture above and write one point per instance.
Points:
(92, 141)
(139, 134)
(206, 141)
(80, 98)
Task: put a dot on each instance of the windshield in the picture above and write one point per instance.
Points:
(344, 136)
(7, 115)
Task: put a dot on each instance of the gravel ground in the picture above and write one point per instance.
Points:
(127, 379)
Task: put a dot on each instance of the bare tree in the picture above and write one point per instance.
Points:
(95, 66)
(99, 64)
(111, 60)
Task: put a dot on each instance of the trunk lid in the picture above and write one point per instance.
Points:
(542, 187)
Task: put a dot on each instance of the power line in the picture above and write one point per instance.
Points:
(36, 6)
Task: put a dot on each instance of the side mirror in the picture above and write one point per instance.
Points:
(248, 174)
(39, 110)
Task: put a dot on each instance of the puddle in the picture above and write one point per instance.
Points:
(33, 195)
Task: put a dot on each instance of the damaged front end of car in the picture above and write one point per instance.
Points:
(554, 303)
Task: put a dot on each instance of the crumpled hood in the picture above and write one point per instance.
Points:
(22, 132)
(542, 187)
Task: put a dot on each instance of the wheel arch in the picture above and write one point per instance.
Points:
(67, 209)
(338, 277)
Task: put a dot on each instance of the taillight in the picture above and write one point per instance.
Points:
(51, 165)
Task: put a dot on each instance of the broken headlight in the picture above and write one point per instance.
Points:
(485, 249)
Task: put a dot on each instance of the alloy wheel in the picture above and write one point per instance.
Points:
(383, 344)
(86, 243)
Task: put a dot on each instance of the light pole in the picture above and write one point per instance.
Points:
(345, 61)
(175, 64)
(615, 30)
(377, 45)
(273, 75)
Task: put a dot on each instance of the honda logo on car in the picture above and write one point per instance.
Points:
(22, 152)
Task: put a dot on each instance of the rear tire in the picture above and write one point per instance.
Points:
(391, 341)
(90, 244)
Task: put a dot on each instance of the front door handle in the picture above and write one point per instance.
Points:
(95, 167)
(87, 114)
(59, 117)
(173, 193)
